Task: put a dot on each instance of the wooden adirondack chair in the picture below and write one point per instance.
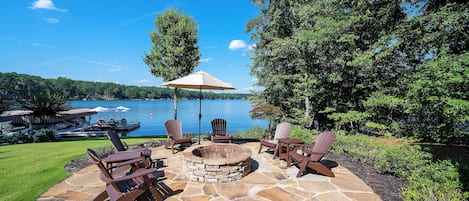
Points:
(124, 147)
(174, 132)
(127, 187)
(312, 159)
(219, 131)
(281, 132)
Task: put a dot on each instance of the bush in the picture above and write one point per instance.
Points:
(302, 133)
(34, 136)
(435, 181)
(427, 181)
(43, 135)
(17, 138)
(254, 132)
(105, 151)
(397, 160)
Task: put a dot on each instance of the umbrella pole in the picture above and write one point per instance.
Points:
(200, 109)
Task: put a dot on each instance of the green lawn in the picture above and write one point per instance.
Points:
(29, 170)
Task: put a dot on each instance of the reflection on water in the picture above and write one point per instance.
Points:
(153, 113)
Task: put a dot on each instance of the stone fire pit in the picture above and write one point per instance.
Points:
(217, 163)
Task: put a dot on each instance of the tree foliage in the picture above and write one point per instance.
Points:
(404, 63)
(15, 86)
(174, 53)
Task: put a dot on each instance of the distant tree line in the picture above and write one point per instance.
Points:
(14, 86)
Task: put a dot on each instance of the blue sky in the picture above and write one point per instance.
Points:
(105, 40)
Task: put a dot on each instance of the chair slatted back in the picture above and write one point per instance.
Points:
(174, 129)
(219, 127)
(105, 175)
(282, 131)
(322, 145)
(116, 141)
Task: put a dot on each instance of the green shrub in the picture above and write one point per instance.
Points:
(105, 151)
(302, 133)
(436, 181)
(18, 138)
(427, 181)
(43, 135)
(254, 132)
(401, 161)
(386, 158)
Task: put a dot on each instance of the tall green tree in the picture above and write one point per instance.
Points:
(402, 62)
(45, 105)
(307, 54)
(175, 52)
(429, 52)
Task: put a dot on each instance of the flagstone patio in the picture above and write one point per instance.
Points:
(269, 180)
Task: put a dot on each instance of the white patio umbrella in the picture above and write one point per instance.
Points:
(199, 80)
(120, 109)
(100, 109)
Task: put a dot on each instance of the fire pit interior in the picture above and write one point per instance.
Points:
(217, 163)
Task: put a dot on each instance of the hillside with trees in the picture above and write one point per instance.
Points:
(14, 86)
(391, 67)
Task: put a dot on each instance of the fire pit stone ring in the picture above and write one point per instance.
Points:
(217, 163)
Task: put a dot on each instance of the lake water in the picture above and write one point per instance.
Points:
(153, 113)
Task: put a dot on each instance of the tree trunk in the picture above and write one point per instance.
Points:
(307, 114)
(176, 102)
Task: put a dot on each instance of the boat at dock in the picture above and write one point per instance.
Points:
(80, 134)
(121, 125)
(83, 130)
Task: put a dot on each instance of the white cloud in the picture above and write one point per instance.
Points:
(237, 44)
(114, 68)
(51, 20)
(55, 61)
(40, 45)
(133, 20)
(206, 59)
(46, 4)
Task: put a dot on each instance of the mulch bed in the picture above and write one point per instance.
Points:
(388, 187)
(77, 164)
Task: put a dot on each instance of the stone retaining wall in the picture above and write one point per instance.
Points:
(209, 170)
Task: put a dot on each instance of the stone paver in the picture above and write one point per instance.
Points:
(269, 180)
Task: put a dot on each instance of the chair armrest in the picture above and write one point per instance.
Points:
(182, 140)
(140, 144)
(141, 172)
(297, 146)
(129, 162)
(313, 152)
(123, 156)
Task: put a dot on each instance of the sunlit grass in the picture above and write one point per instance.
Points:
(29, 170)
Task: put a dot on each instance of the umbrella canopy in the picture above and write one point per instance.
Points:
(199, 80)
(100, 109)
(121, 109)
